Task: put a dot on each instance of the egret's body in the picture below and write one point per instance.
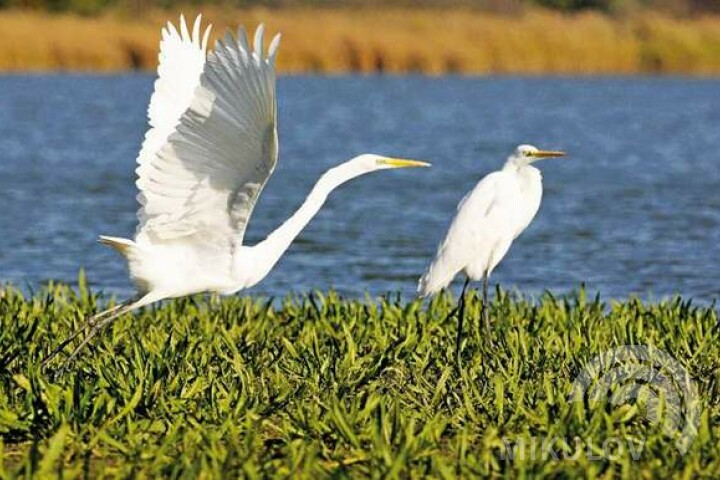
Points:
(210, 150)
(167, 268)
(488, 219)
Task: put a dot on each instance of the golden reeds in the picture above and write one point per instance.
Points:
(387, 40)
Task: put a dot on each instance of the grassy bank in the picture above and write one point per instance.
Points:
(388, 40)
(324, 386)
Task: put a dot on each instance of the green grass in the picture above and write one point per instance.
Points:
(321, 386)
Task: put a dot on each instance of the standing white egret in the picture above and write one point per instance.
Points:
(210, 150)
(487, 221)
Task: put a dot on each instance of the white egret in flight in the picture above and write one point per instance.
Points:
(211, 147)
(487, 221)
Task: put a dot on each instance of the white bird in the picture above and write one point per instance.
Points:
(488, 219)
(210, 150)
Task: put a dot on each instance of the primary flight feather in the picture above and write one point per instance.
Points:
(211, 147)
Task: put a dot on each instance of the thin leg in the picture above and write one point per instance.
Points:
(461, 316)
(90, 322)
(94, 331)
(453, 312)
(485, 308)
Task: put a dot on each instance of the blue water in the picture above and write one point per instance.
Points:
(634, 210)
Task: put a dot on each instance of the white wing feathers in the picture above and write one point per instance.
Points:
(204, 180)
(473, 224)
(181, 61)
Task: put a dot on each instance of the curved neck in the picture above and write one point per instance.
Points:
(266, 253)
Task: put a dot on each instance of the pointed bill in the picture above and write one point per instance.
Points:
(548, 154)
(402, 163)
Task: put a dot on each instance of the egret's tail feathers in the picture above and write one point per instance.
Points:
(124, 246)
(135, 256)
(431, 283)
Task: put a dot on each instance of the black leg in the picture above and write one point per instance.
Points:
(89, 323)
(485, 309)
(94, 331)
(461, 316)
(455, 310)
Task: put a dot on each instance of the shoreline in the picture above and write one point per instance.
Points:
(386, 41)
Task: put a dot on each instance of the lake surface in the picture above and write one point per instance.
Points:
(633, 210)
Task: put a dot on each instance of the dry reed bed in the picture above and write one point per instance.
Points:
(392, 40)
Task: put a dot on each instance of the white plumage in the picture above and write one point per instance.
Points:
(211, 148)
(488, 219)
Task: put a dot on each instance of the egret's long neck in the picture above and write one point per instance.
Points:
(268, 252)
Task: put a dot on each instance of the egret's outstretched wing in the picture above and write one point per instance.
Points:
(203, 182)
(181, 61)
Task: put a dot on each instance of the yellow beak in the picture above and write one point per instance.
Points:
(402, 163)
(547, 154)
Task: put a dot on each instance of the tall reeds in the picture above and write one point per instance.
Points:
(386, 40)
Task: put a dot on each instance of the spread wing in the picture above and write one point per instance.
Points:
(181, 61)
(202, 182)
